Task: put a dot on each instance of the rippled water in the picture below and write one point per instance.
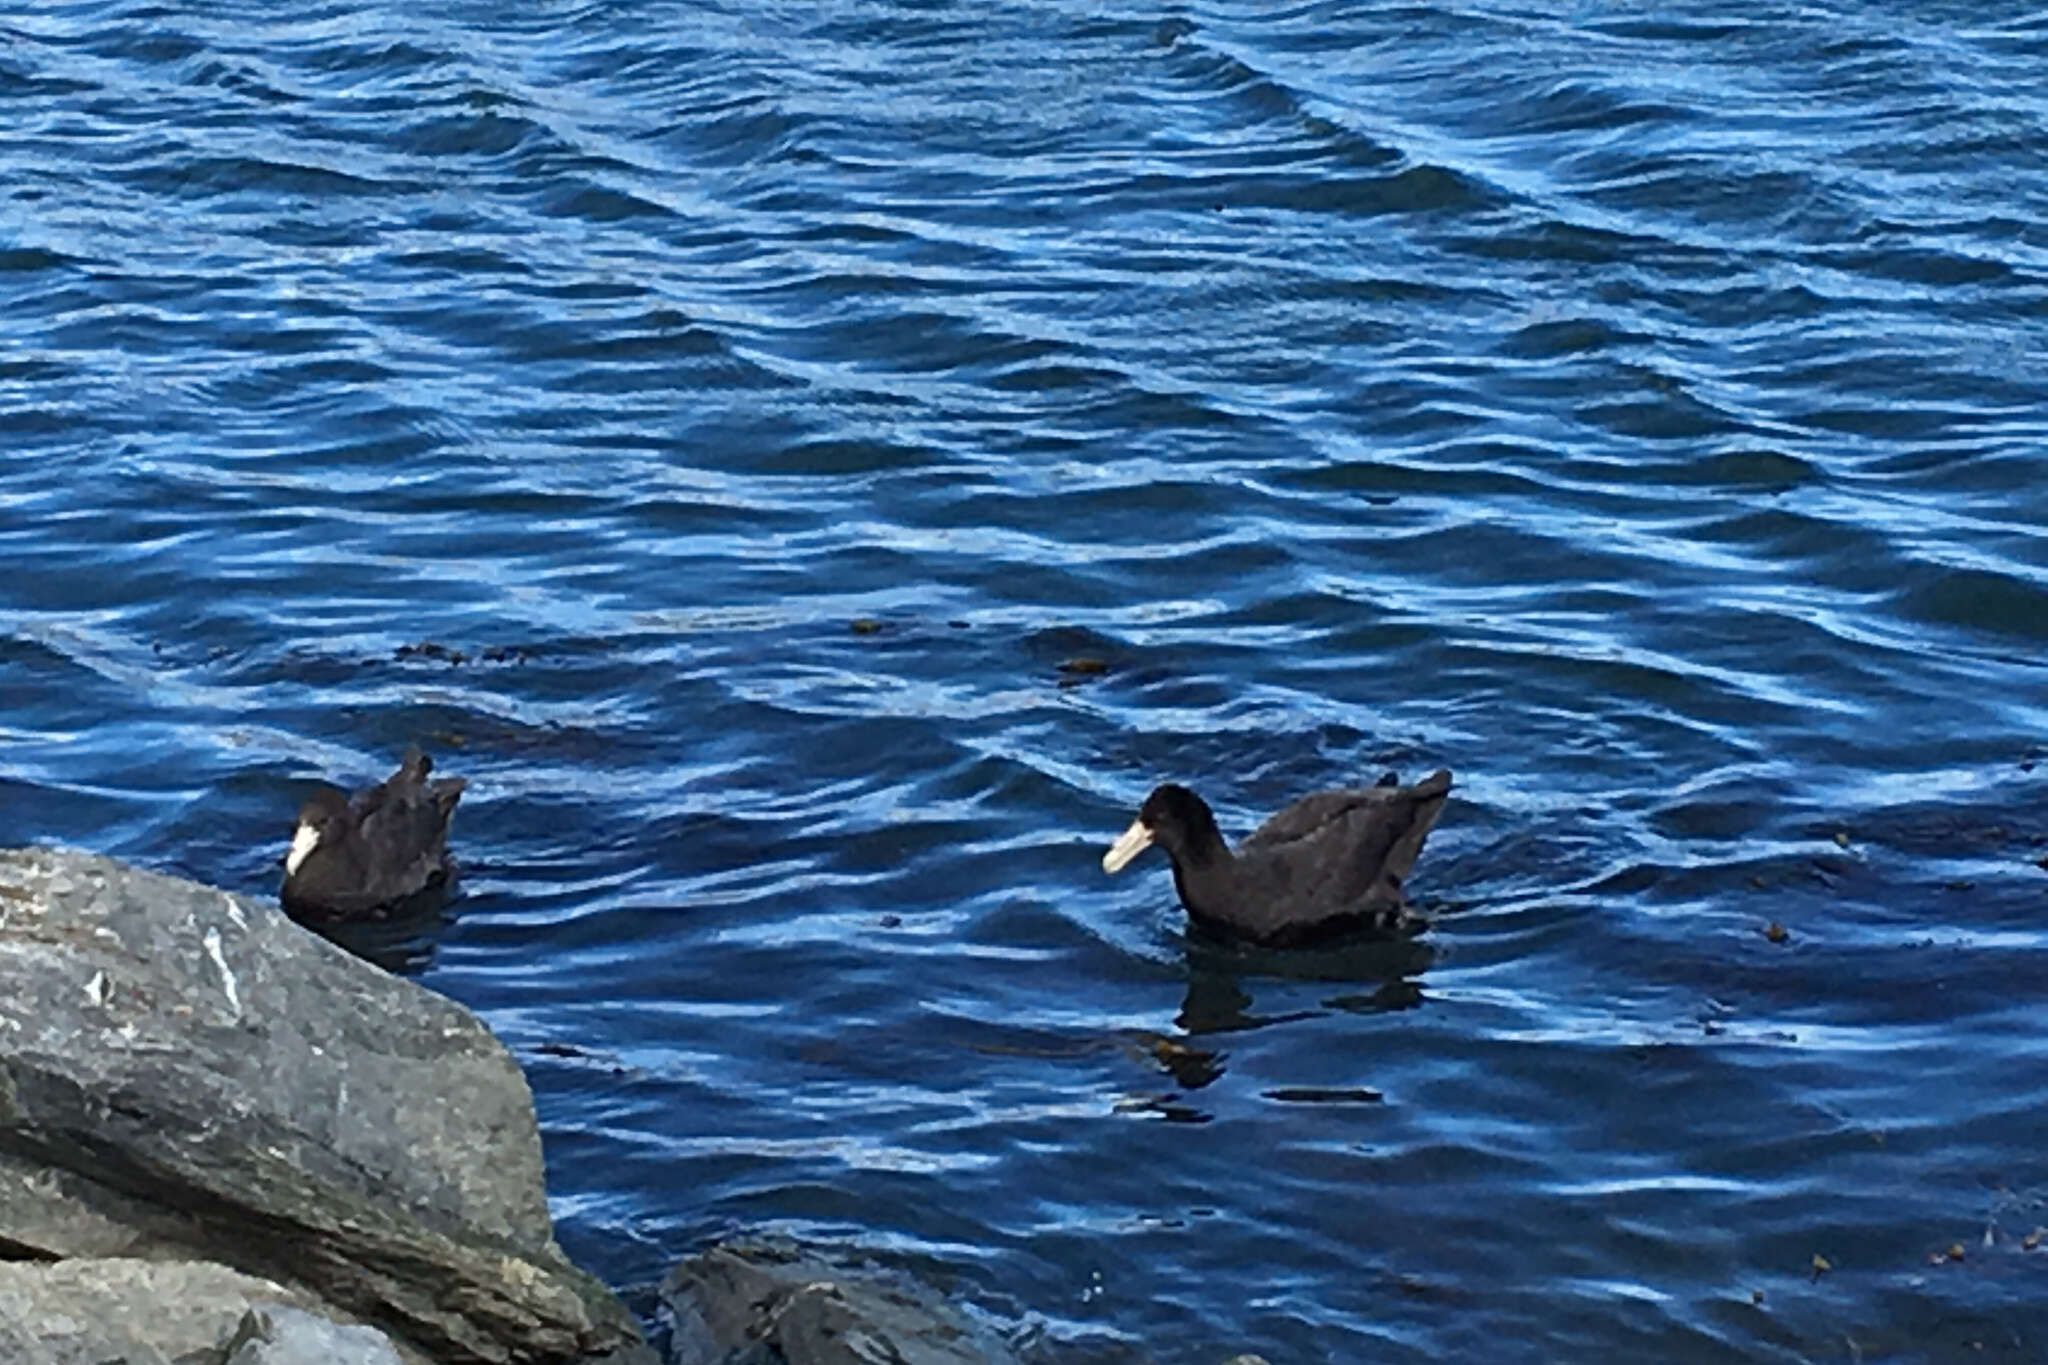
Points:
(751, 406)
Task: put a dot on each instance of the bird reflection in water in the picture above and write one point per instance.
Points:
(403, 945)
(1385, 974)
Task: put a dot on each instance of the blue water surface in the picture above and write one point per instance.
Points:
(813, 467)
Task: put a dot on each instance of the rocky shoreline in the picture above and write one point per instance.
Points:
(226, 1141)
(222, 1138)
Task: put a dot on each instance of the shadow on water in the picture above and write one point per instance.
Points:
(1220, 1000)
(403, 939)
(1382, 972)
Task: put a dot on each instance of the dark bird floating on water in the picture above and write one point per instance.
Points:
(384, 850)
(1328, 866)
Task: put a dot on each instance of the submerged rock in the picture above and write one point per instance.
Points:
(185, 1074)
(772, 1303)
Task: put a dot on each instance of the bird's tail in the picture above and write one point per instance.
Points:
(1425, 802)
(446, 792)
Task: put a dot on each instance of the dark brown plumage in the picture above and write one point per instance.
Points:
(1327, 866)
(361, 858)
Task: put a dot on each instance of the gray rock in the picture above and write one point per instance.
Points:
(762, 1303)
(49, 1211)
(187, 1073)
(275, 1334)
(91, 1311)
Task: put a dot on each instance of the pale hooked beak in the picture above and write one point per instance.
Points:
(1128, 845)
(304, 840)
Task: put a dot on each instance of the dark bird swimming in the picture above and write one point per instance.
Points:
(1329, 866)
(363, 858)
